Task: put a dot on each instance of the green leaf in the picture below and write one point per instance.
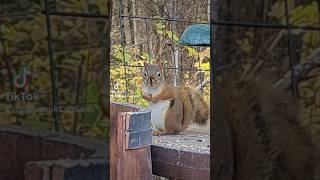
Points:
(36, 123)
(192, 52)
(92, 114)
(160, 26)
(68, 23)
(92, 93)
(160, 32)
(172, 36)
(138, 92)
(91, 117)
(66, 66)
(277, 10)
(145, 56)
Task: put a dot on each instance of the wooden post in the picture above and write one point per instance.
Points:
(130, 141)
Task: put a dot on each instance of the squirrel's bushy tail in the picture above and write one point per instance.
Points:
(268, 141)
(195, 108)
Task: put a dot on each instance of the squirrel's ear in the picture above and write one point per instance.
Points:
(160, 65)
(145, 64)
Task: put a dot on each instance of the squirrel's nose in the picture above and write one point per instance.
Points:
(151, 81)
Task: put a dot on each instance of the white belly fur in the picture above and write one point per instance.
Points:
(158, 113)
(153, 91)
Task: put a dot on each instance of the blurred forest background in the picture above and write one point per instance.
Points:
(267, 49)
(77, 49)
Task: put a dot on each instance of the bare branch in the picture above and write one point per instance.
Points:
(300, 70)
(202, 85)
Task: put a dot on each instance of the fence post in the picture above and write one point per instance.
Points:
(130, 141)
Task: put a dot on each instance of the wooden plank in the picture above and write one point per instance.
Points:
(139, 139)
(133, 164)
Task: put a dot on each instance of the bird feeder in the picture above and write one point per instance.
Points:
(196, 35)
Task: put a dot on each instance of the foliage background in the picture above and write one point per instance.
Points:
(77, 45)
(244, 46)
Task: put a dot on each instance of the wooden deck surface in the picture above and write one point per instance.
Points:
(194, 139)
(185, 155)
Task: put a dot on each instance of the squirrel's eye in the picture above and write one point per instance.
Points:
(145, 74)
(158, 74)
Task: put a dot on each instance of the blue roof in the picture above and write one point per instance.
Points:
(196, 35)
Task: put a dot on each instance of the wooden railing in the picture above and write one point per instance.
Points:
(29, 154)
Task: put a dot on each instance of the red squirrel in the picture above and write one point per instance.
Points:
(172, 109)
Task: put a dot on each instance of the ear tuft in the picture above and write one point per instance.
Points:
(145, 64)
(160, 65)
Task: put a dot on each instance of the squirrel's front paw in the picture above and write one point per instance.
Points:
(147, 96)
(157, 133)
(160, 133)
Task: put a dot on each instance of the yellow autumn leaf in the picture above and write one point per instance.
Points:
(203, 54)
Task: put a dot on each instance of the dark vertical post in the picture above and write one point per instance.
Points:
(53, 73)
(148, 40)
(294, 84)
(222, 152)
(106, 81)
(123, 43)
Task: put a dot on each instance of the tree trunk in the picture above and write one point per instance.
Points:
(134, 22)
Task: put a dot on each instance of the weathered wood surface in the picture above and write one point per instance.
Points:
(20, 145)
(89, 169)
(195, 143)
(130, 140)
(181, 156)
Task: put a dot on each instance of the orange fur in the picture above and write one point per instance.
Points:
(268, 141)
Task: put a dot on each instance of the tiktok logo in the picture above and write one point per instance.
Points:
(22, 79)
